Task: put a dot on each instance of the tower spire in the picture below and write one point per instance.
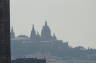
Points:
(32, 26)
(54, 37)
(12, 33)
(33, 33)
(46, 23)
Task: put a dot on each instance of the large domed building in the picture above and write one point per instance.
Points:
(35, 36)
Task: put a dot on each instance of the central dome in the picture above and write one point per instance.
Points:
(46, 32)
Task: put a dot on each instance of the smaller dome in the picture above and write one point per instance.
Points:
(22, 36)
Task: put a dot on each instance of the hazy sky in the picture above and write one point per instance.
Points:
(70, 20)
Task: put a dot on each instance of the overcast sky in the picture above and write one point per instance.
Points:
(71, 20)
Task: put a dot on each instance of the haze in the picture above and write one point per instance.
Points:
(71, 20)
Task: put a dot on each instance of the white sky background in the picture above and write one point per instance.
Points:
(70, 20)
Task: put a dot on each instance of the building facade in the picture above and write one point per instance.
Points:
(4, 31)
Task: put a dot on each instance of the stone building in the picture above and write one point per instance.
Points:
(46, 34)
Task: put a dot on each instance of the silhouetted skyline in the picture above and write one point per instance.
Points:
(71, 20)
(45, 35)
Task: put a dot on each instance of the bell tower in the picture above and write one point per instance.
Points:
(12, 34)
(33, 34)
(4, 32)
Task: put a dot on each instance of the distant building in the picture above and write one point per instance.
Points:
(23, 45)
(22, 37)
(35, 36)
(47, 45)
